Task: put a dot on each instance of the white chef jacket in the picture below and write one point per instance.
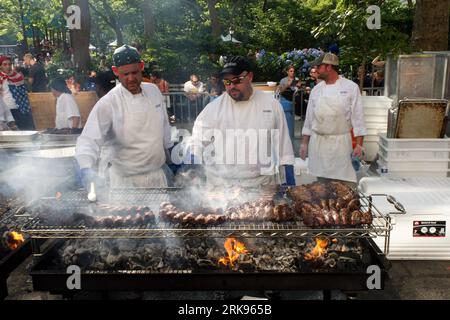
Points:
(132, 152)
(349, 91)
(66, 108)
(261, 111)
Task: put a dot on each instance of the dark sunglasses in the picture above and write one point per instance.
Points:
(235, 81)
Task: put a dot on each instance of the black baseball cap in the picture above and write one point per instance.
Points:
(235, 65)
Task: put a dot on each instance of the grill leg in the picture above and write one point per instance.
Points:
(35, 246)
(3, 287)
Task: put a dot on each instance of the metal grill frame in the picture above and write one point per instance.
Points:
(380, 227)
(188, 279)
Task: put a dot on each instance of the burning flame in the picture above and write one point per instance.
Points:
(234, 248)
(319, 250)
(14, 239)
(58, 195)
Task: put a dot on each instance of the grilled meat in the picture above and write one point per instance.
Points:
(329, 204)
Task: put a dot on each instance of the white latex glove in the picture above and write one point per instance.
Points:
(303, 151)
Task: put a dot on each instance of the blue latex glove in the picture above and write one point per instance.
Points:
(290, 176)
(87, 176)
(356, 163)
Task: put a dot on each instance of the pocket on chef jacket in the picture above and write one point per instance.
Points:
(346, 98)
(268, 118)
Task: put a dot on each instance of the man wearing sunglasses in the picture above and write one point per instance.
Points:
(242, 136)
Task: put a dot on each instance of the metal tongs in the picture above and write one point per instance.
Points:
(92, 196)
(397, 205)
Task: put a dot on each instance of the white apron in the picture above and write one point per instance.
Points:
(143, 133)
(330, 145)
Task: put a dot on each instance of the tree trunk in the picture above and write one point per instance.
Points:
(80, 38)
(215, 23)
(113, 22)
(149, 19)
(431, 20)
(22, 22)
(264, 7)
(410, 3)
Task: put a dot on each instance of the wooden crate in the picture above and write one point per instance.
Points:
(43, 106)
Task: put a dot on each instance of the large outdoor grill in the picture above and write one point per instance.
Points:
(344, 266)
(352, 277)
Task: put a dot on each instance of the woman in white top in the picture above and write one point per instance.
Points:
(67, 111)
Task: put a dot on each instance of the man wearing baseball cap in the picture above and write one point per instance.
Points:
(238, 127)
(132, 122)
(334, 108)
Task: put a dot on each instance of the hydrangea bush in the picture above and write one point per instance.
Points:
(271, 66)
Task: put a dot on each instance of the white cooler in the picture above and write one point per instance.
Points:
(422, 233)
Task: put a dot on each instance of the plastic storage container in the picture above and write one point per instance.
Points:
(411, 154)
(373, 185)
(391, 143)
(370, 145)
(417, 168)
(376, 102)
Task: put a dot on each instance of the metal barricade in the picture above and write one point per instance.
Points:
(183, 108)
(373, 91)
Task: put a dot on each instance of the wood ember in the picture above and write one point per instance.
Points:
(159, 255)
(9, 207)
(329, 204)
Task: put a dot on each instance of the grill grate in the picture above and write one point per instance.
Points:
(76, 201)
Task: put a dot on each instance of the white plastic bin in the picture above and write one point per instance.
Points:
(422, 165)
(376, 102)
(376, 118)
(368, 112)
(370, 145)
(411, 154)
(391, 143)
(413, 173)
(375, 131)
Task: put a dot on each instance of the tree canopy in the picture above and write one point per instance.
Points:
(180, 37)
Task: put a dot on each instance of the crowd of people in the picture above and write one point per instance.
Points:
(131, 121)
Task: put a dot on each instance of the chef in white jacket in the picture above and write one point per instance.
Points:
(242, 136)
(334, 108)
(132, 121)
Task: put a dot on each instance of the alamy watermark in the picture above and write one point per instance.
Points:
(73, 17)
(374, 20)
(374, 280)
(73, 282)
(259, 147)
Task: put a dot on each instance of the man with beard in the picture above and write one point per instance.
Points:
(334, 108)
(132, 122)
(242, 136)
